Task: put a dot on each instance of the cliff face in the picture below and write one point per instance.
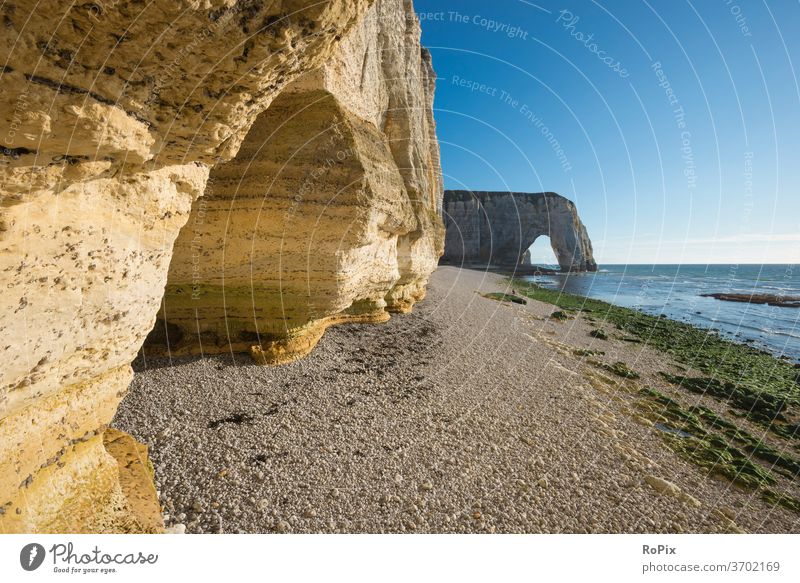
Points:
(498, 228)
(327, 214)
(115, 114)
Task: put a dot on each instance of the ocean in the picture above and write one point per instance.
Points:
(675, 291)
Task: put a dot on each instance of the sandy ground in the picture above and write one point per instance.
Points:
(469, 415)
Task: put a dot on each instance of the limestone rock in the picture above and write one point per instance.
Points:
(113, 115)
(667, 488)
(327, 214)
(136, 479)
(497, 228)
(662, 486)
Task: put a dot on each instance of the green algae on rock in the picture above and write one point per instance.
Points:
(762, 408)
(706, 439)
(560, 316)
(583, 352)
(765, 389)
(501, 297)
(621, 370)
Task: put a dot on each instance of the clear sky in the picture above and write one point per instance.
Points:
(674, 125)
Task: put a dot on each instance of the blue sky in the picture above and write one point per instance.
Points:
(674, 126)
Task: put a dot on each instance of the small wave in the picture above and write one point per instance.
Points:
(774, 332)
(748, 328)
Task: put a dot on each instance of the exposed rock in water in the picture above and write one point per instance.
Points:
(769, 299)
(115, 116)
(497, 228)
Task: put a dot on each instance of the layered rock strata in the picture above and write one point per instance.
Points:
(327, 214)
(113, 115)
(498, 228)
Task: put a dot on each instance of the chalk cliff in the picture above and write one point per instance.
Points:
(497, 228)
(327, 214)
(114, 114)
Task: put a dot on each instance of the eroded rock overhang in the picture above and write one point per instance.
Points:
(329, 213)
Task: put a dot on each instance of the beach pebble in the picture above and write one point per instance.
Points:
(662, 486)
(690, 500)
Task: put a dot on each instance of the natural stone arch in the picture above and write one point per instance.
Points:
(496, 228)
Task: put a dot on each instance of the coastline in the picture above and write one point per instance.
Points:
(468, 415)
(749, 386)
(690, 294)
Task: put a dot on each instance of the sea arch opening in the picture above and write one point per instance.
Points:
(540, 253)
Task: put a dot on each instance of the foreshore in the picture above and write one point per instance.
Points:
(470, 414)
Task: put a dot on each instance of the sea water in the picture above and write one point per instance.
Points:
(676, 292)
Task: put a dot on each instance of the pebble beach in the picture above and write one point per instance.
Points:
(469, 415)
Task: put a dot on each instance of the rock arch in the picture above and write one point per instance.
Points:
(497, 228)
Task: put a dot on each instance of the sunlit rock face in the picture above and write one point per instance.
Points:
(329, 212)
(498, 228)
(113, 115)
